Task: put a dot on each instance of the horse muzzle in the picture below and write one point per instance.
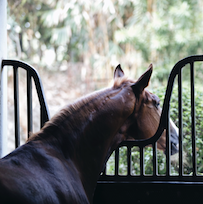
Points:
(174, 131)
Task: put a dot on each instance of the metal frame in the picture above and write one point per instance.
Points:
(164, 125)
(31, 74)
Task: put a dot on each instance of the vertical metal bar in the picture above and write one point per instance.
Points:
(16, 106)
(44, 114)
(180, 111)
(168, 148)
(155, 164)
(142, 161)
(193, 119)
(43, 118)
(129, 159)
(104, 171)
(29, 104)
(116, 161)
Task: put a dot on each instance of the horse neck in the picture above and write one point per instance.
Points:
(86, 132)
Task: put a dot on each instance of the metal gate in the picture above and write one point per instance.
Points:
(131, 188)
(31, 74)
(158, 188)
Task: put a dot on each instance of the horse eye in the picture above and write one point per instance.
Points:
(157, 103)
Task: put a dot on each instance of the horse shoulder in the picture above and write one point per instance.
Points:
(35, 177)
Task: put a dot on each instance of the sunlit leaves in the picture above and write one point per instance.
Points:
(161, 32)
(61, 36)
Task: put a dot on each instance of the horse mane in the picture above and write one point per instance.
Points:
(83, 107)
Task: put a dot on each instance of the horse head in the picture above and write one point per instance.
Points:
(144, 121)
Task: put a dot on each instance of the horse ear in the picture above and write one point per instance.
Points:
(118, 72)
(143, 81)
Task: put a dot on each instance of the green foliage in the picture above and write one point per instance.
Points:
(133, 33)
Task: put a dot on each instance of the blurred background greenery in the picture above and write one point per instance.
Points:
(76, 44)
(94, 36)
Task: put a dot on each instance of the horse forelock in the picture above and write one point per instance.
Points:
(120, 81)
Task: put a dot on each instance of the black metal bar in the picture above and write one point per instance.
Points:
(180, 111)
(142, 170)
(155, 164)
(104, 171)
(16, 106)
(168, 148)
(193, 119)
(116, 161)
(43, 117)
(29, 104)
(129, 160)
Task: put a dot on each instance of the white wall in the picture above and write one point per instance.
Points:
(3, 78)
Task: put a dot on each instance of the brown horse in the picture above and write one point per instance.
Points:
(62, 162)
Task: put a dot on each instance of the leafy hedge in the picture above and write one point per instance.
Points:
(187, 142)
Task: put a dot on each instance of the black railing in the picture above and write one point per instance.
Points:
(164, 125)
(31, 74)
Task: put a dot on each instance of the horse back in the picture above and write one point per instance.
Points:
(37, 175)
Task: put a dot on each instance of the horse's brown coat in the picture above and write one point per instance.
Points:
(62, 162)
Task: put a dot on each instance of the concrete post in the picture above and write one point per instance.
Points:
(3, 78)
